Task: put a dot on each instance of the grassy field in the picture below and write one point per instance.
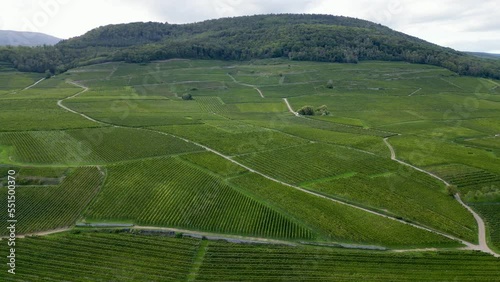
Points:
(434, 119)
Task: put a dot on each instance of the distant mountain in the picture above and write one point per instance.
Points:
(484, 55)
(24, 38)
(301, 37)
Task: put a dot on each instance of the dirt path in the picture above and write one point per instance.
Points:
(469, 245)
(32, 85)
(290, 107)
(483, 245)
(248, 85)
(41, 233)
(85, 89)
(393, 157)
(415, 92)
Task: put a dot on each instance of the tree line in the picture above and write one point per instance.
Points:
(296, 37)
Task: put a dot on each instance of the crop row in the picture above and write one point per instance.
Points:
(172, 192)
(491, 214)
(103, 257)
(231, 140)
(91, 146)
(334, 221)
(211, 104)
(214, 163)
(406, 197)
(315, 161)
(229, 262)
(320, 124)
(475, 178)
(50, 207)
(126, 257)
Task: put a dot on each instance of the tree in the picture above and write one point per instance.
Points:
(329, 84)
(187, 96)
(48, 74)
(323, 110)
(451, 190)
(306, 111)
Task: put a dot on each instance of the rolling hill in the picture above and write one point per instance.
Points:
(24, 38)
(485, 55)
(296, 37)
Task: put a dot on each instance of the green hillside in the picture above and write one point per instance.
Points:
(296, 37)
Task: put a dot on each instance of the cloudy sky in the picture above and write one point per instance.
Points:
(471, 25)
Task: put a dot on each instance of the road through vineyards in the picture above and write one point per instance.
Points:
(468, 244)
(483, 245)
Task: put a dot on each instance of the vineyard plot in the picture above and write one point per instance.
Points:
(44, 208)
(337, 222)
(90, 146)
(158, 193)
(102, 257)
(231, 262)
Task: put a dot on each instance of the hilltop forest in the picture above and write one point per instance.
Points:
(322, 38)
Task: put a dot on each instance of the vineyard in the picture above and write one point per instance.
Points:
(229, 262)
(489, 211)
(38, 114)
(102, 257)
(233, 138)
(315, 161)
(51, 207)
(90, 146)
(199, 202)
(134, 166)
(128, 257)
(214, 163)
(337, 222)
(394, 193)
(462, 175)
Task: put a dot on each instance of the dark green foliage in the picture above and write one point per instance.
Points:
(48, 74)
(187, 96)
(297, 37)
(322, 110)
(306, 111)
(310, 111)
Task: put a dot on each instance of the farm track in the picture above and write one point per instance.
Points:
(85, 89)
(34, 84)
(483, 245)
(41, 233)
(468, 245)
(415, 92)
(290, 107)
(248, 85)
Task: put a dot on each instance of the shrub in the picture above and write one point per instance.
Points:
(306, 111)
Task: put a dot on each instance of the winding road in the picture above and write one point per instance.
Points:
(85, 89)
(483, 244)
(248, 85)
(469, 245)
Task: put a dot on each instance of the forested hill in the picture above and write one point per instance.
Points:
(297, 37)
